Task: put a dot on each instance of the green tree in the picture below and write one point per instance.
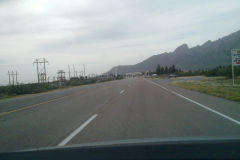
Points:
(172, 69)
(166, 70)
(162, 70)
(158, 70)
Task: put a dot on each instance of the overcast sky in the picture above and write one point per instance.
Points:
(104, 33)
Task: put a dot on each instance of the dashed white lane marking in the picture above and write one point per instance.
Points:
(76, 131)
(122, 91)
(199, 104)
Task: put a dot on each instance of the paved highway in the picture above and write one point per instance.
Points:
(132, 108)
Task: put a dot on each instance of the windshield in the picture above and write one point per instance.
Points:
(83, 71)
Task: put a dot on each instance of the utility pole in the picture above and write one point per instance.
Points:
(80, 74)
(74, 70)
(69, 72)
(42, 75)
(84, 70)
(116, 72)
(9, 78)
(45, 74)
(76, 74)
(36, 61)
(232, 74)
(12, 78)
(16, 78)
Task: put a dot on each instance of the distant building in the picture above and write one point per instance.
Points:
(133, 74)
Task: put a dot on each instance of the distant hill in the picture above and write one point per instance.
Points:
(208, 55)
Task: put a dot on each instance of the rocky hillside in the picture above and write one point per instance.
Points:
(208, 55)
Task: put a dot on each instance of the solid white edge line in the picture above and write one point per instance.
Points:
(122, 91)
(76, 131)
(158, 85)
(199, 104)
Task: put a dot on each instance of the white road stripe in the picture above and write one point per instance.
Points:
(76, 131)
(159, 85)
(199, 104)
(122, 91)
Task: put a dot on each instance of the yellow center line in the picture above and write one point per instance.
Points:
(38, 104)
(34, 105)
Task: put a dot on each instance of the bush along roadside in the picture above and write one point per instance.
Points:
(21, 89)
(225, 71)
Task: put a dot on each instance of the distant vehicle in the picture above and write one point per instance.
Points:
(172, 75)
(154, 75)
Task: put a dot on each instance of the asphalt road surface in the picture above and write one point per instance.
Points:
(133, 108)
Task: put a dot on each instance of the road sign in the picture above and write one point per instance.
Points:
(235, 60)
(235, 57)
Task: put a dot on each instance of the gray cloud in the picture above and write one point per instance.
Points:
(106, 32)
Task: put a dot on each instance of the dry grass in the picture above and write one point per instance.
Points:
(219, 86)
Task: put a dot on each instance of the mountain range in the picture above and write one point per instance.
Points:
(208, 55)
